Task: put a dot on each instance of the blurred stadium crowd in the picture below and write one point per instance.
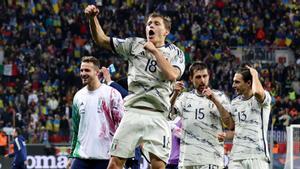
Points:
(41, 44)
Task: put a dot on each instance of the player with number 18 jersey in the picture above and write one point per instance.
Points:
(148, 99)
(147, 86)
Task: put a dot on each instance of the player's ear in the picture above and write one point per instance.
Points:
(97, 70)
(249, 83)
(190, 78)
(166, 32)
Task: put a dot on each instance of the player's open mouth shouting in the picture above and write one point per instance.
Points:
(151, 34)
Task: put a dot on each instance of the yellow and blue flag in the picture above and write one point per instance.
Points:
(55, 6)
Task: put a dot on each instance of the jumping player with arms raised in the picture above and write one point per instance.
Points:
(154, 66)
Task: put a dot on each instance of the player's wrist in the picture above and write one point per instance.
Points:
(155, 52)
(92, 18)
(212, 98)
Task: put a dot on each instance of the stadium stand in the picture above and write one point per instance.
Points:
(41, 46)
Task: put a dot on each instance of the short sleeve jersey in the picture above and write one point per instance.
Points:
(147, 85)
(251, 126)
(201, 122)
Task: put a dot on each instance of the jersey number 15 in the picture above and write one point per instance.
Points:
(199, 114)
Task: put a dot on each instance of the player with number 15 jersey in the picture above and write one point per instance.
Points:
(203, 110)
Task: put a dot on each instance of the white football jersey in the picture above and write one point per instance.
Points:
(95, 118)
(251, 126)
(147, 85)
(201, 122)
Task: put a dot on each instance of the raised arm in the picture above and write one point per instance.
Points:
(176, 92)
(225, 115)
(91, 11)
(113, 84)
(257, 88)
(179, 86)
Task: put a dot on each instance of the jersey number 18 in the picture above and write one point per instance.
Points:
(151, 65)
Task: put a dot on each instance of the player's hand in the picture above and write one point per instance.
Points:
(106, 74)
(91, 11)
(69, 164)
(221, 136)
(179, 86)
(253, 71)
(208, 93)
(150, 47)
(177, 132)
(6, 155)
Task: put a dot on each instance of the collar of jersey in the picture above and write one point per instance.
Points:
(165, 45)
(197, 94)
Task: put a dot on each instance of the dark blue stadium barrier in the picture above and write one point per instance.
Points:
(42, 157)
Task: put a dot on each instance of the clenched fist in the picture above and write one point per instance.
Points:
(91, 11)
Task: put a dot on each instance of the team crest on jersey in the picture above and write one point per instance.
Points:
(114, 144)
(210, 105)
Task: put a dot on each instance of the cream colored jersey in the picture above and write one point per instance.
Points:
(201, 122)
(251, 126)
(147, 85)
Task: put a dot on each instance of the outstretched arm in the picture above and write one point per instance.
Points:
(91, 11)
(257, 87)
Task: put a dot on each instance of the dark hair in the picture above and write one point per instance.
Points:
(198, 65)
(245, 72)
(166, 19)
(91, 59)
(18, 130)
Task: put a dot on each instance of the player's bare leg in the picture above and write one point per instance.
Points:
(116, 163)
(156, 163)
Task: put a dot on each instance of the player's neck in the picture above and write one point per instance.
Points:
(94, 85)
(199, 92)
(159, 44)
(247, 94)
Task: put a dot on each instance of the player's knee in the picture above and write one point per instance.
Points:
(116, 163)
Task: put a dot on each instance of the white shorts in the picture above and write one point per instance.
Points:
(208, 166)
(249, 164)
(145, 127)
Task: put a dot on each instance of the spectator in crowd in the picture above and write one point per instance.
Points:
(64, 129)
